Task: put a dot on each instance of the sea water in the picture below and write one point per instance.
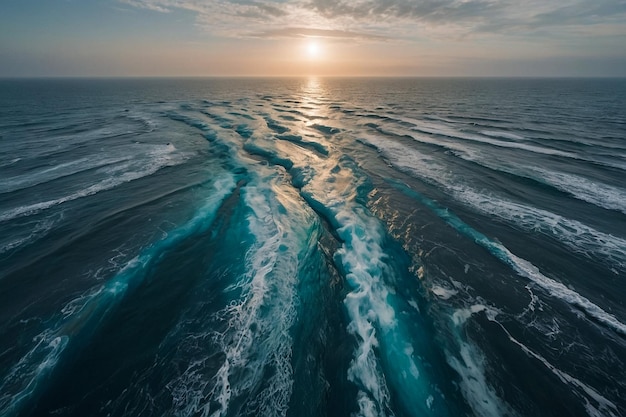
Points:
(313, 247)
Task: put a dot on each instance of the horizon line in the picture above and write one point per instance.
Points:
(103, 77)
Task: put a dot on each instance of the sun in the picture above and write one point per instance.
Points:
(313, 49)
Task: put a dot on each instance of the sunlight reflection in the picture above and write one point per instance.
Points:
(312, 85)
(313, 99)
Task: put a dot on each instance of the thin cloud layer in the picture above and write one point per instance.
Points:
(377, 20)
(300, 32)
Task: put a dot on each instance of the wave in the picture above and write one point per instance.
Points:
(256, 340)
(469, 363)
(66, 169)
(298, 140)
(38, 230)
(575, 235)
(385, 354)
(254, 374)
(64, 139)
(521, 266)
(158, 157)
(595, 404)
(596, 193)
(449, 137)
(82, 317)
(500, 134)
(9, 162)
(275, 126)
(327, 130)
(454, 134)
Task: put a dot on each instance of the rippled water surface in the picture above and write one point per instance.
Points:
(313, 247)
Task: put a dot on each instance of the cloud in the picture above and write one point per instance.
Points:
(582, 13)
(300, 32)
(475, 16)
(247, 9)
(420, 10)
(146, 4)
(378, 20)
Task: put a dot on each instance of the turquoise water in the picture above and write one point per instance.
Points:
(312, 247)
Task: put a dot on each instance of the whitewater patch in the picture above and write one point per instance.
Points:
(363, 260)
(256, 370)
(423, 127)
(375, 312)
(520, 266)
(247, 321)
(34, 232)
(11, 184)
(500, 134)
(156, 158)
(594, 192)
(470, 364)
(443, 293)
(595, 404)
(79, 320)
(581, 188)
(574, 234)
(384, 355)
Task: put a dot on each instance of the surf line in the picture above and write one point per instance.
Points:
(257, 345)
(34, 371)
(521, 266)
(386, 363)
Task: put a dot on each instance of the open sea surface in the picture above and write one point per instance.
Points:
(313, 247)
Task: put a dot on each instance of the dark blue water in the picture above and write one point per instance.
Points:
(313, 247)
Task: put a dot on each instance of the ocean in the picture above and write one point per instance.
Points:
(313, 247)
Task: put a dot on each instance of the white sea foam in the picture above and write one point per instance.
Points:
(443, 293)
(8, 163)
(34, 367)
(46, 144)
(34, 232)
(245, 316)
(367, 306)
(11, 184)
(528, 270)
(145, 118)
(371, 303)
(469, 363)
(82, 316)
(596, 404)
(499, 134)
(332, 187)
(531, 272)
(259, 320)
(585, 189)
(594, 192)
(444, 130)
(455, 139)
(555, 288)
(574, 234)
(157, 157)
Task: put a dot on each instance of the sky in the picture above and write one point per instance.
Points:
(109, 38)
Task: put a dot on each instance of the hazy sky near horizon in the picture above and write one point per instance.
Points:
(312, 37)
